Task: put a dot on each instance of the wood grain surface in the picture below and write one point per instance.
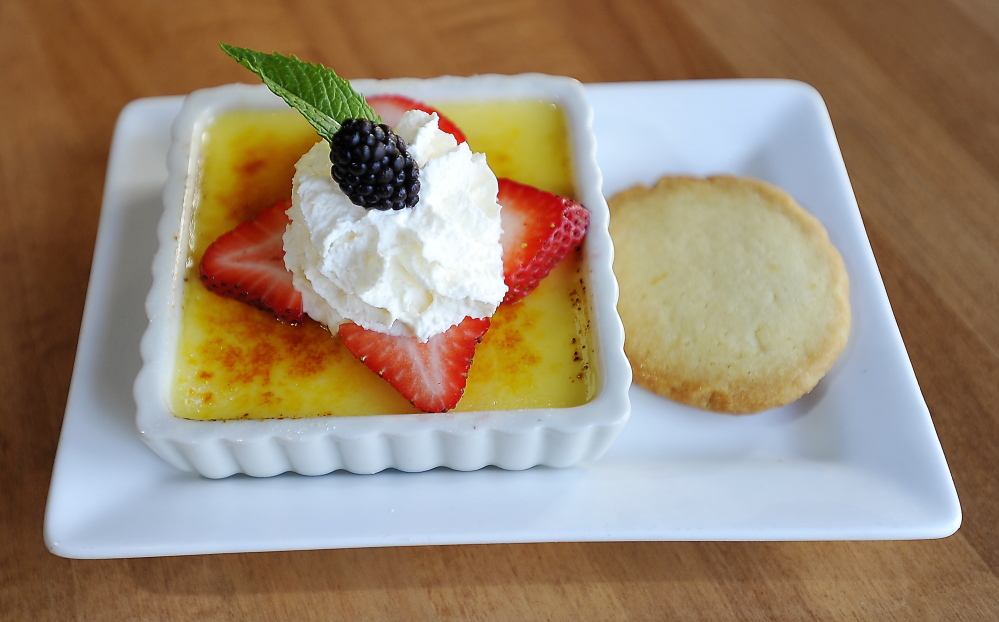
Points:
(913, 90)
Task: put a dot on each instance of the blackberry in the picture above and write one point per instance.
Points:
(373, 166)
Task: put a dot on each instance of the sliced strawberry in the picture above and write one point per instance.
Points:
(431, 375)
(539, 230)
(391, 108)
(247, 264)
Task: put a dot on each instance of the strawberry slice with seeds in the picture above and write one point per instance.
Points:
(391, 108)
(247, 264)
(430, 375)
(539, 230)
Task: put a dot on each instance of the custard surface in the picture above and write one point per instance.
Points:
(235, 361)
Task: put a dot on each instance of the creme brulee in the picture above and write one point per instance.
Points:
(237, 362)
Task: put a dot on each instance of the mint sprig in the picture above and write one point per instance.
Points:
(322, 97)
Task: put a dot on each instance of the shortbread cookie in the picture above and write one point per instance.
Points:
(732, 296)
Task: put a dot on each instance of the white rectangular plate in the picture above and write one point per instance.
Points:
(858, 458)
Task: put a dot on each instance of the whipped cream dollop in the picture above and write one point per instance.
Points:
(415, 271)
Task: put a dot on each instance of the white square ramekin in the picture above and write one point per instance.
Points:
(511, 439)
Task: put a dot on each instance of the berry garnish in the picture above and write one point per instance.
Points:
(539, 230)
(373, 167)
(247, 264)
(430, 375)
(391, 108)
(328, 102)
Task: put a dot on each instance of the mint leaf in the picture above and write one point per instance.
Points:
(322, 97)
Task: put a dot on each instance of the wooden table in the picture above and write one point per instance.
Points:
(913, 91)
